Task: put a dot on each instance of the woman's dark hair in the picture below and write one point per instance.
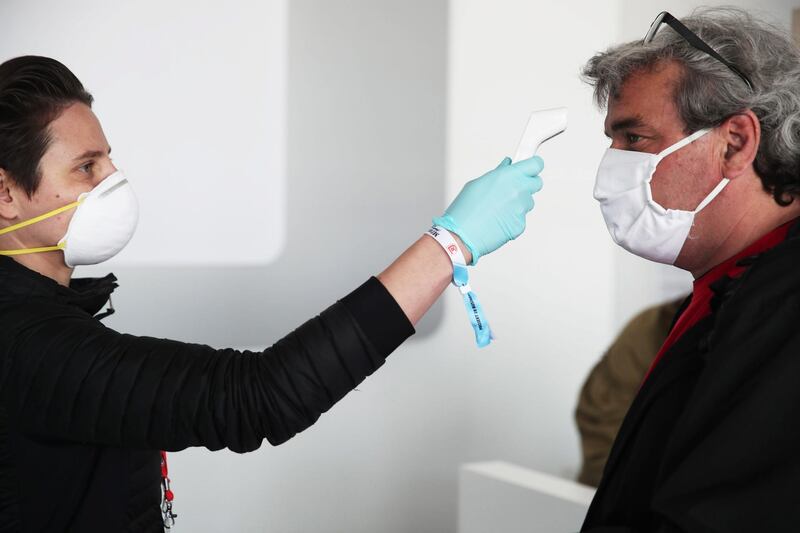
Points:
(33, 92)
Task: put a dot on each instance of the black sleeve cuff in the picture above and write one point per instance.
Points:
(379, 316)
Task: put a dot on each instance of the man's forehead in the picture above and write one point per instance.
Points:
(645, 99)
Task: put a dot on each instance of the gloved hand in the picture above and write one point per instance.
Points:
(490, 210)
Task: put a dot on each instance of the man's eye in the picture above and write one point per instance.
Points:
(87, 167)
(632, 138)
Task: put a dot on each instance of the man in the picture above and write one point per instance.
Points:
(704, 173)
(84, 410)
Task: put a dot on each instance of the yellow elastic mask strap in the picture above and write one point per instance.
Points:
(23, 251)
(34, 220)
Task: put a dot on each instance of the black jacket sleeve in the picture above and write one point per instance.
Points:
(73, 378)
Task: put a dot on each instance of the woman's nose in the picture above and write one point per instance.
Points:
(108, 169)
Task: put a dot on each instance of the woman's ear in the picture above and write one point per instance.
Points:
(742, 134)
(8, 206)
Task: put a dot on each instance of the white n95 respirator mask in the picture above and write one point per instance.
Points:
(636, 221)
(104, 221)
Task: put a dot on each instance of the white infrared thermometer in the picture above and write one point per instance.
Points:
(542, 126)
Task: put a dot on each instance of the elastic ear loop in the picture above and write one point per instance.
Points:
(667, 151)
(34, 220)
(680, 144)
(713, 194)
(683, 142)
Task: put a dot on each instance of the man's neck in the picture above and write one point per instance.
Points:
(753, 224)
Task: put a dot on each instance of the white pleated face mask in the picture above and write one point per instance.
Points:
(636, 221)
(104, 221)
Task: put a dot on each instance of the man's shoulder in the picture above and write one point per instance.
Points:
(765, 300)
(774, 275)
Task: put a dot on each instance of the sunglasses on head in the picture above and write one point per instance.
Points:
(692, 39)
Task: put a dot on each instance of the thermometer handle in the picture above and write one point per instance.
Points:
(542, 126)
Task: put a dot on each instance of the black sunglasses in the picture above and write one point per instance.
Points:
(692, 39)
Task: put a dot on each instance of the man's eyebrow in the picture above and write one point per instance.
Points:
(626, 123)
(92, 153)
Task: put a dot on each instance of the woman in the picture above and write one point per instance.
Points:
(85, 409)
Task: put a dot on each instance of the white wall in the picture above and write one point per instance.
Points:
(550, 294)
(195, 112)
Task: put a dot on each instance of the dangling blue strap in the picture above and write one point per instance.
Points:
(483, 333)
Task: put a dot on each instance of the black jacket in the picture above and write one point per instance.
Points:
(84, 409)
(712, 440)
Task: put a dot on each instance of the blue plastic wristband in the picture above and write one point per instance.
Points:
(483, 333)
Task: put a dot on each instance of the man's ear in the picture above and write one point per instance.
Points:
(8, 205)
(742, 133)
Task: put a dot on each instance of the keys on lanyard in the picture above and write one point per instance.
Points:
(167, 496)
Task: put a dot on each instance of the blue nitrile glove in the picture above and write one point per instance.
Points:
(490, 210)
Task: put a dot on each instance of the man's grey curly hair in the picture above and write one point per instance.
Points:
(709, 92)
